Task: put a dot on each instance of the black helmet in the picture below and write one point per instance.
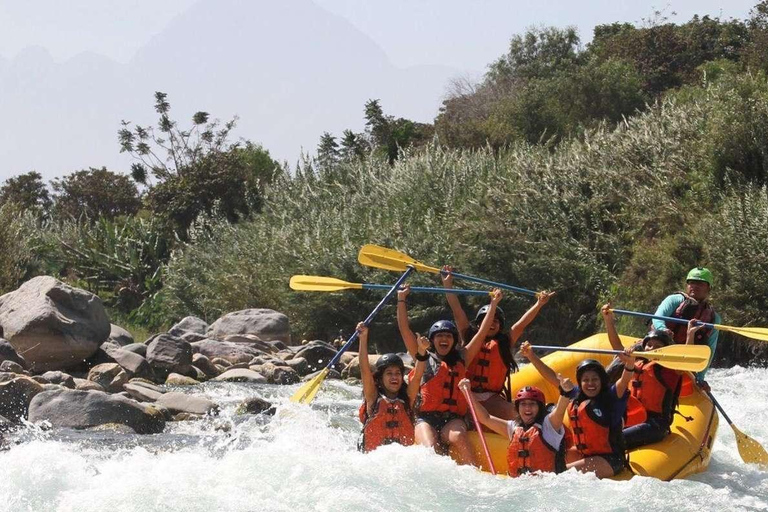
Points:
(389, 360)
(595, 366)
(484, 311)
(659, 334)
(444, 326)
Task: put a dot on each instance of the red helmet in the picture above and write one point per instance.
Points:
(529, 393)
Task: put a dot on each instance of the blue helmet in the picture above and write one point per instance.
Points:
(444, 326)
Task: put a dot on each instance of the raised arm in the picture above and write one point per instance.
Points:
(693, 327)
(517, 329)
(418, 371)
(498, 425)
(370, 392)
(610, 327)
(409, 338)
(558, 413)
(473, 347)
(629, 365)
(459, 316)
(541, 367)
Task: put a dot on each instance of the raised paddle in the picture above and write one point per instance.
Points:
(306, 393)
(388, 259)
(331, 284)
(480, 434)
(756, 333)
(750, 450)
(688, 358)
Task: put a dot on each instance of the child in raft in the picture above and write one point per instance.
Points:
(654, 389)
(489, 372)
(596, 414)
(440, 418)
(535, 437)
(387, 409)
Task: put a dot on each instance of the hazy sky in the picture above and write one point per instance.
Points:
(465, 34)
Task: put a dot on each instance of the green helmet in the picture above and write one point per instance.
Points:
(700, 274)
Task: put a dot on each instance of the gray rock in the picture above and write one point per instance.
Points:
(137, 348)
(299, 364)
(131, 362)
(108, 376)
(221, 362)
(333, 374)
(241, 375)
(52, 387)
(286, 355)
(84, 409)
(11, 366)
(267, 324)
(277, 374)
(229, 351)
(175, 379)
(205, 365)
(190, 324)
(318, 354)
(141, 392)
(191, 337)
(255, 405)
(62, 378)
(181, 402)
(87, 385)
(6, 376)
(168, 354)
(15, 396)
(54, 326)
(119, 336)
(8, 353)
(252, 340)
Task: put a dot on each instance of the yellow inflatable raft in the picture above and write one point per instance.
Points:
(685, 451)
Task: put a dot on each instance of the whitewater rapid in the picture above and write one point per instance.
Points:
(305, 459)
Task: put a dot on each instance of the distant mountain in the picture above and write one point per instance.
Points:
(290, 70)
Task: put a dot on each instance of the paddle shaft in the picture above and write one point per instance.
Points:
(426, 289)
(492, 283)
(479, 428)
(370, 317)
(658, 317)
(584, 350)
(719, 407)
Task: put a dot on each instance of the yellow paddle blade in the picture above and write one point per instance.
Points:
(388, 259)
(321, 284)
(756, 333)
(688, 358)
(306, 393)
(750, 450)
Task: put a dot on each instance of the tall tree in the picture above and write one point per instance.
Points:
(27, 191)
(327, 150)
(96, 193)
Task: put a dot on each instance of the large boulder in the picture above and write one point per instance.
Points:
(227, 350)
(109, 376)
(277, 374)
(119, 336)
(15, 396)
(142, 391)
(136, 348)
(353, 368)
(255, 341)
(54, 326)
(56, 377)
(318, 354)
(131, 362)
(205, 365)
(241, 375)
(84, 409)
(11, 366)
(267, 324)
(189, 324)
(8, 353)
(180, 402)
(168, 354)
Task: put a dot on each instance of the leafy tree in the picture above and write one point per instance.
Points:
(27, 191)
(327, 150)
(96, 193)
(388, 135)
(353, 146)
(198, 170)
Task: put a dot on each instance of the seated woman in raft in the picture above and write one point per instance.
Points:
(440, 417)
(387, 409)
(654, 389)
(489, 372)
(535, 437)
(596, 414)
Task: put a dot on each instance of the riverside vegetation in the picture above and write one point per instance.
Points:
(600, 172)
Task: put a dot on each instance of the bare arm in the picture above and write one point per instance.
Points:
(517, 329)
(409, 338)
(610, 327)
(418, 371)
(629, 365)
(693, 328)
(459, 316)
(541, 367)
(473, 347)
(498, 425)
(557, 415)
(370, 392)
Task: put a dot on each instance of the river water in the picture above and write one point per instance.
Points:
(305, 459)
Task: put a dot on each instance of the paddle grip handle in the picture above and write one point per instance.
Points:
(480, 433)
(426, 289)
(659, 317)
(493, 283)
(370, 317)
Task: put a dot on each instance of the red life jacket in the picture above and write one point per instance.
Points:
(704, 312)
(488, 372)
(650, 388)
(529, 452)
(591, 431)
(440, 387)
(390, 423)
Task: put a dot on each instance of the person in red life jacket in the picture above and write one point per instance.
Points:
(489, 372)
(654, 389)
(535, 437)
(596, 414)
(693, 303)
(387, 409)
(440, 416)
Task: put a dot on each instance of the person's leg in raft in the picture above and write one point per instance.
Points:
(425, 435)
(643, 434)
(454, 434)
(497, 405)
(595, 464)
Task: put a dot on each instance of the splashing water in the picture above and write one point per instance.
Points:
(305, 459)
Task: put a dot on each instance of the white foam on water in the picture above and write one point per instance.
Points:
(305, 459)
